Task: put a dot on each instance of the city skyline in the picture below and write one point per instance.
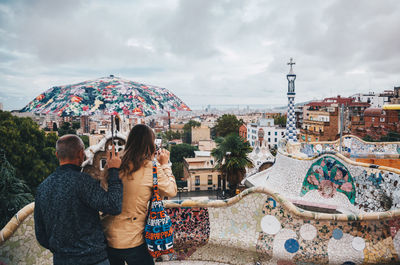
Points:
(205, 52)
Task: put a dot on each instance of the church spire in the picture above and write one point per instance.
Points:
(291, 133)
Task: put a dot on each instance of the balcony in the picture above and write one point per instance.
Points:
(315, 122)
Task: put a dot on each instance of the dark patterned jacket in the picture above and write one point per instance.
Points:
(67, 218)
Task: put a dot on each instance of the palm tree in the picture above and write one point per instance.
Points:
(14, 193)
(231, 158)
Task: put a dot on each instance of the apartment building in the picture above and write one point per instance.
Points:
(200, 174)
(273, 133)
(321, 119)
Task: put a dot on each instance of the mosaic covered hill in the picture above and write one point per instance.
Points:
(105, 96)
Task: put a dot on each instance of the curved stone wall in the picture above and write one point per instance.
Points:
(332, 180)
(258, 225)
(352, 146)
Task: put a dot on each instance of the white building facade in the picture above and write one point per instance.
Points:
(272, 134)
(376, 100)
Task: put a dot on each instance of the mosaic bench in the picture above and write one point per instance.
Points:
(258, 226)
(352, 146)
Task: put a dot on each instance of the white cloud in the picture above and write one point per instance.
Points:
(204, 51)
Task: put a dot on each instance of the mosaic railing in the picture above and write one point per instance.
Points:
(258, 225)
(352, 146)
(368, 187)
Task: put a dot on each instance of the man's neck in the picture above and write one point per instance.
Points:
(70, 162)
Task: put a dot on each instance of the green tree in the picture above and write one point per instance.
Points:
(76, 125)
(187, 130)
(170, 135)
(391, 137)
(280, 120)
(177, 170)
(231, 158)
(27, 148)
(66, 128)
(368, 138)
(85, 140)
(14, 193)
(178, 152)
(227, 124)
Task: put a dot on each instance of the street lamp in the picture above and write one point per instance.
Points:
(214, 191)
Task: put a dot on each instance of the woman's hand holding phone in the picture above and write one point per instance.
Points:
(163, 156)
(113, 160)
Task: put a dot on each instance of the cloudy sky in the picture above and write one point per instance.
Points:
(205, 51)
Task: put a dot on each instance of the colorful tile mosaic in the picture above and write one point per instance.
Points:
(261, 226)
(377, 190)
(328, 175)
(192, 230)
(232, 232)
(352, 146)
(331, 181)
(105, 96)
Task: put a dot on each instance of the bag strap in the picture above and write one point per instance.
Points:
(155, 188)
(155, 180)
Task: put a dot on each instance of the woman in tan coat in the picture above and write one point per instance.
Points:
(124, 232)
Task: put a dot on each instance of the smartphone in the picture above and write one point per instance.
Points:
(158, 143)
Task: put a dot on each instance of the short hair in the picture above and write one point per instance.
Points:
(68, 146)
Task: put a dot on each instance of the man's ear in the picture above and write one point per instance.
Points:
(82, 154)
(57, 155)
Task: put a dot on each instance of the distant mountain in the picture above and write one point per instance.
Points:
(295, 105)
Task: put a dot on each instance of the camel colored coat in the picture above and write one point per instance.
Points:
(126, 229)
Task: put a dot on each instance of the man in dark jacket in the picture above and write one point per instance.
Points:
(67, 206)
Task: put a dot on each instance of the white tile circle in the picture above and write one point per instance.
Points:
(308, 232)
(358, 243)
(270, 225)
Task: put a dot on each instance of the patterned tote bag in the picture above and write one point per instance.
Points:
(158, 232)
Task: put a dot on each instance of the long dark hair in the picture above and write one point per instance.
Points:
(139, 148)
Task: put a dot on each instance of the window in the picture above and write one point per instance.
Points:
(269, 133)
(276, 133)
(197, 180)
(197, 189)
(209, 180)
(281, 133)
(275, 140)
(102, 163)
(269, 139)
(212, 162)
(209, 188)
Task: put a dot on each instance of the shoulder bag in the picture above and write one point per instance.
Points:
(158, 232)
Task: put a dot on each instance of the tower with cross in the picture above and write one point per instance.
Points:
(291, 133)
